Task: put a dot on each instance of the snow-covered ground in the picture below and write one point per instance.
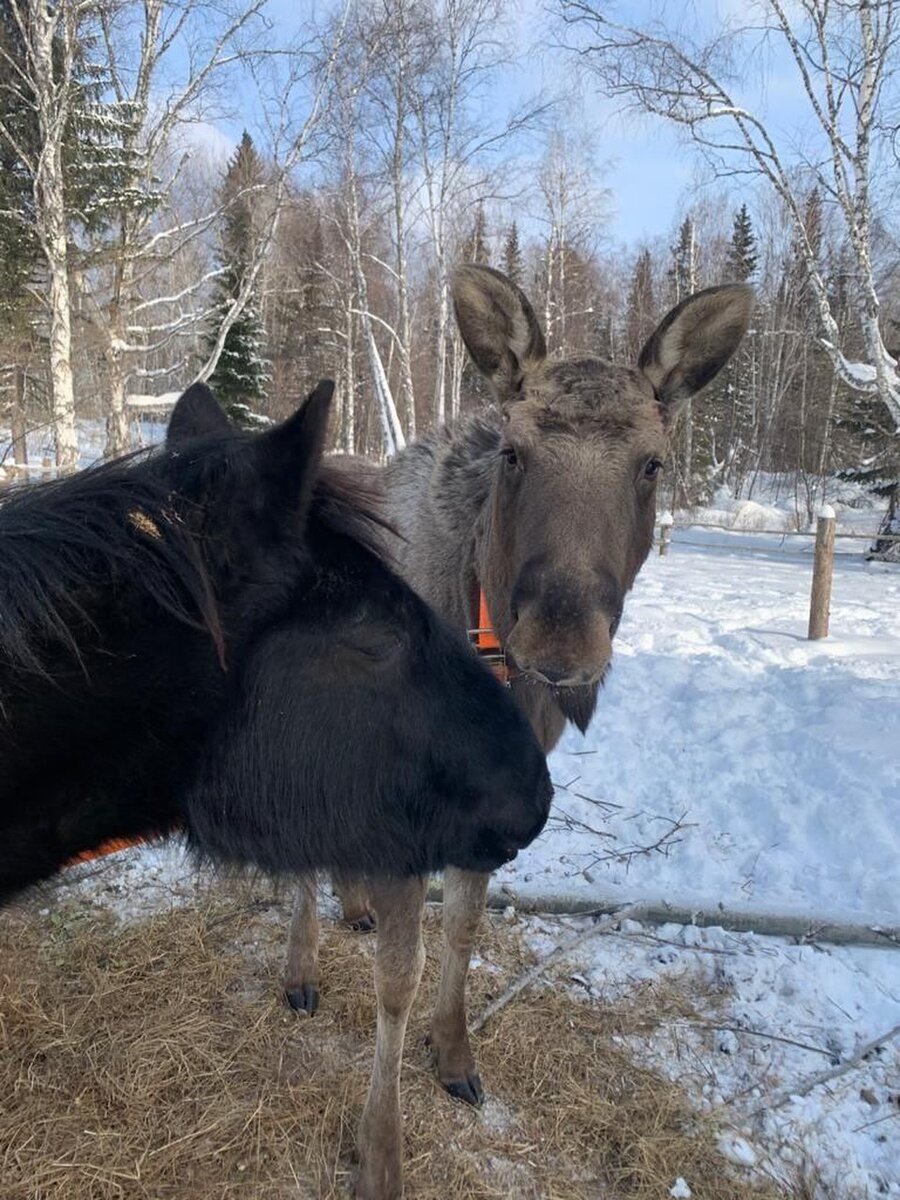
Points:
(768, 769)
(765, 771)
(767, 766)
(776, 1016)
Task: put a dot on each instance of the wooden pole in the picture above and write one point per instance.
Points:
(666, 522)
(820, 597)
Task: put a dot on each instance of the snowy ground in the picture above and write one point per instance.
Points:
(772, 1016)
(778, 1015)
(765, 770)
(768, 765)
(770, 768)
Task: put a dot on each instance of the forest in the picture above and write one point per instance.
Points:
(261, 195)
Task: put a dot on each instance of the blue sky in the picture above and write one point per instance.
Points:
(642, 161)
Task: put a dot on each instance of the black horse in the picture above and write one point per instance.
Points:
(208, 638)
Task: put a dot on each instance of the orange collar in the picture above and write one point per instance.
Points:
(484, 638)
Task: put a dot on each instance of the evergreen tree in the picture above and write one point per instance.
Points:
(475, 247)
(641, 310)
(239, 380)
(513, 262)
(19, 247)
(742, 256)
(683, 272)
(20, 251)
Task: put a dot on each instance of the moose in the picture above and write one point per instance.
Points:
(210, 638)
(544, 505)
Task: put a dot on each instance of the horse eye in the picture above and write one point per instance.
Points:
(382, 649)
(652, 468)
(509, 456)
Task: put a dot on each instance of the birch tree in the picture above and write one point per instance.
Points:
(467, 50)
(38, 65)
(843, 53)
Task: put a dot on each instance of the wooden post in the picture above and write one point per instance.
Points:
(820, 597)
(666, 521)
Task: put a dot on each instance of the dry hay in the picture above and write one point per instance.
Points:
(157, 1062)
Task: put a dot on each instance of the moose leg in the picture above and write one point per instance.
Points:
(301, 976)
(464, 896)
(353, 894)
(399, 958)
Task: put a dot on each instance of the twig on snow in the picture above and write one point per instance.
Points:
(561, 951)
(781, 1098)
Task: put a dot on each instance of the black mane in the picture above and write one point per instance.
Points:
(129, 522)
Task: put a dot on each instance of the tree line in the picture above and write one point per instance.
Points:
(383, 149)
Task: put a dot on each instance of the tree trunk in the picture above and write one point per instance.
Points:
(18, 431)
(50, 206)
(348, 396)
(440, 380)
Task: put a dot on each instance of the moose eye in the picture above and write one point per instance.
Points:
(509, 456)
(652, 468)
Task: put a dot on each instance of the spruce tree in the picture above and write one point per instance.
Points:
(513, 262)
(475, 247)
(19, 247)
(641, 310)
(742, 257)
(683, 272)
(241, 374)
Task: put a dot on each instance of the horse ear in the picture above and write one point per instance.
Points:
(498, 326)
(197, 413)
(290, 453)
(694, 342)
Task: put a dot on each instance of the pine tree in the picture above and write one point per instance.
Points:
(513, 262)
(742, 256)
(239, 380)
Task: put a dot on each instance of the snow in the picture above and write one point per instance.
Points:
(771, 1016)
(765, 771)
(765, 766)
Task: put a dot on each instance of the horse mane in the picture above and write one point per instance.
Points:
(349, 500)
(118, 521)
(63, 538)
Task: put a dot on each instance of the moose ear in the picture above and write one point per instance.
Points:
(498, 325)
(291, 452)
(197, 413)
(694, 342)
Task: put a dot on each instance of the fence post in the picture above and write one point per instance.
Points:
(820, 597)
(666, 521)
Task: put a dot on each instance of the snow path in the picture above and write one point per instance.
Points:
(781, 756)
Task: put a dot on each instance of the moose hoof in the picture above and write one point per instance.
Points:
(469, 1089)
(363, 923)
(303, 999)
